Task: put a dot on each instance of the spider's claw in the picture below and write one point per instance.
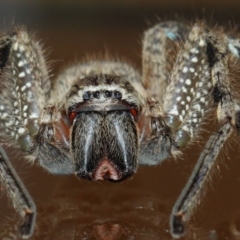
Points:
(177, 226)
(28, 226)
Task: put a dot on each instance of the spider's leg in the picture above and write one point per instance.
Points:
(40, 132)
(23, 92)
(194, 189)
(158, 44)
(185, 102)
(24, 87)
(16, 191)
(227, 113)
(188, 94)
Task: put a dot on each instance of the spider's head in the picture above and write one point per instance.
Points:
(103, 111)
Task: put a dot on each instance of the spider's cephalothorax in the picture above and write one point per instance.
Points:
(104, 109)
(102, 118)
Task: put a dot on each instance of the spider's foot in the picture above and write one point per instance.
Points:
(177, 226)
(28, 226)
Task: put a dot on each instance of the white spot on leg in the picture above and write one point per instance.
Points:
(21, 75)
(20, 63)
(25, 107)
(185, 69)
(201, 43)
(195, 120)
(15, 47)
(192, 70)
(194, 59)
(28, 84)
(21, 130)
(22, 48)
(23, 88)
(174, 110)
(188, 82)
(184, 89)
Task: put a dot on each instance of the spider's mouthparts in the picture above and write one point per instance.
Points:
(106, 171)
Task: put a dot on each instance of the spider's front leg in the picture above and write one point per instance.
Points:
(225, 97)
(199, 78)
(24, 91)
(22, 81)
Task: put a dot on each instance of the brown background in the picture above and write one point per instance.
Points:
(70, 30)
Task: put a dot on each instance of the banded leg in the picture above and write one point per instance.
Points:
(157, 43)
(21, 199)
(194, 189)
(185, 103)
(187, 97)
(227, 112)
(24, 87)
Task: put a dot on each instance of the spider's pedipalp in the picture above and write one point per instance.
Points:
(156, 139)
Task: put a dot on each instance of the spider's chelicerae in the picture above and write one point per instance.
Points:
(103, 118)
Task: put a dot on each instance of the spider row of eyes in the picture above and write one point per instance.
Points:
(96, 94)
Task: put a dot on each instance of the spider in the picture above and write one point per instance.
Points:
(100, 119)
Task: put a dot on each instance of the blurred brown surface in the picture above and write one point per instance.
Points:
(138, 208)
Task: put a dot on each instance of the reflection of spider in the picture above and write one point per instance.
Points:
(102, 118)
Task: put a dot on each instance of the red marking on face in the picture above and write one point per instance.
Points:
(72, 116)
(144, 126)
(62, 131)
(134, 112)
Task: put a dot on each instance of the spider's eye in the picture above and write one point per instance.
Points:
(72, 116)
(108, 93)
(117, 94)
(96, 94)
(86, 95)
